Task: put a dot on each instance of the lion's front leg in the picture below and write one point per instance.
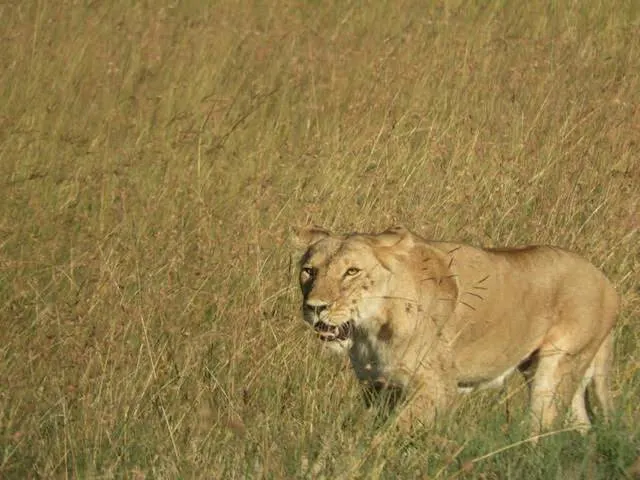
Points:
(406, 410)
(382, 397)
(430, 387)
(411, 409)
(426, 402)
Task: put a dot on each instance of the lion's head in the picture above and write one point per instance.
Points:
(346, 280)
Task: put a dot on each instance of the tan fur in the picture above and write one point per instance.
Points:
(429, 319)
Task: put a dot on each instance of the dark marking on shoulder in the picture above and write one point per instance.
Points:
(433, 279)
(467, 305)
(447, 277)
(446, 299)
(385, 333)
(478, 285)
(426, 260)
(474, 295)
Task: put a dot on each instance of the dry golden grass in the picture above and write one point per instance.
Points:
(154, 156)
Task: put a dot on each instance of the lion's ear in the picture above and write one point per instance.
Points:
(305, 237)
(397, 236)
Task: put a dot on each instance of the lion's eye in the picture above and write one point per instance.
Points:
(308, 271)
(351, 272)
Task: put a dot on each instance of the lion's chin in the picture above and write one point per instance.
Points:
(332, 333)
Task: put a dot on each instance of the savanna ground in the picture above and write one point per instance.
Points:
(155, 155)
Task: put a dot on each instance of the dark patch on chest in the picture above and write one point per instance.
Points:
(385, 333)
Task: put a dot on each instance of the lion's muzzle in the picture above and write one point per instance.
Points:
(317, 313)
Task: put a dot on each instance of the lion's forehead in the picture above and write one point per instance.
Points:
(321, 253)
(338, 253)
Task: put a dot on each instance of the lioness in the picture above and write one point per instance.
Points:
(428, 319)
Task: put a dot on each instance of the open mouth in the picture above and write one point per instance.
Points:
(331, 333)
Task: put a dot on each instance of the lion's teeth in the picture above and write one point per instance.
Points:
(328, 332)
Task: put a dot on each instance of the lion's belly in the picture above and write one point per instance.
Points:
(478, 369)
(488, 350)
(497, 382)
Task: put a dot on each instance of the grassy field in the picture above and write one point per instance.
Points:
(154, 157)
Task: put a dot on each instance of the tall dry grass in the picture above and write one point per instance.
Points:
(153, 157)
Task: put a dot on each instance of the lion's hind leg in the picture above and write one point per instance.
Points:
(579, 414)
(559, 382)
(602, 364)
(596, 377)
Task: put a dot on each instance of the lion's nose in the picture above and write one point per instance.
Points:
(316, 306)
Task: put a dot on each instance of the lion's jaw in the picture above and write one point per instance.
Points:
(337, 335)
(343, 290)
